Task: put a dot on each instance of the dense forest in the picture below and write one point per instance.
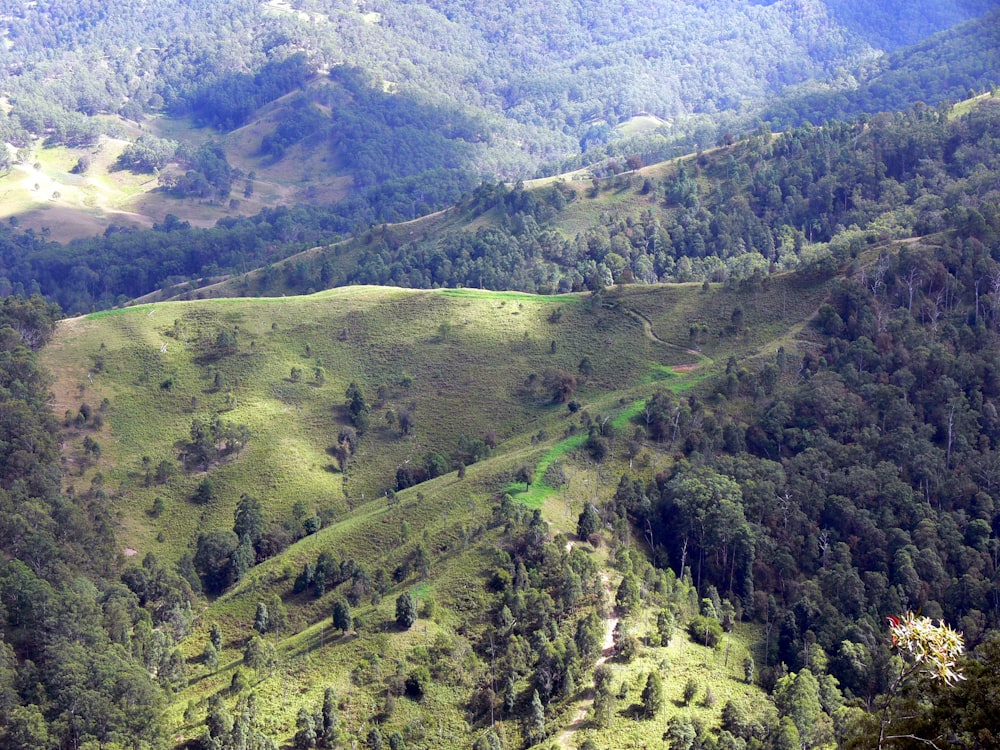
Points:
(805, 494)
(945, 68)
(830, 491)
(750, 209)
(812, 492)
(70, 71)
(746, 211)
(81, 660)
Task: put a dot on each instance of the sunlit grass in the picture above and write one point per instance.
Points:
(466, 362)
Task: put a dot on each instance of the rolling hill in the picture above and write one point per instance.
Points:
(404, 108)
(465, 366)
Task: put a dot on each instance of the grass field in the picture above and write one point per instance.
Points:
(43, 194)
(464, 362)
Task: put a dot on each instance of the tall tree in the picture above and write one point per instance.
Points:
(406, 611)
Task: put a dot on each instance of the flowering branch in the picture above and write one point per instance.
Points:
(931, 651)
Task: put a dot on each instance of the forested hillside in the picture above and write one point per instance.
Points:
(748, 208)
(736, 213)
(699, 453)
(78, 653)
(893, 24)
(426, 100)
(346, 521)
(812, 521)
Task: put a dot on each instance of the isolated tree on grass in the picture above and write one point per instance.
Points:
(215, 636)
(589, 522)
(665, 624)
(277, 615)
(258, 655)
(305, 736)
(406, 611)
(652, 696)
(260, 620)
(357, 407)
(342, 619)
(560, 384)
(604, 697)
(211, 657)
(690, 691)
(748, 669)
(204, 493)
(626, 644)
(329, 730)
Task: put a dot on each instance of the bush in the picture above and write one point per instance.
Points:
(417, 682)
(205, 493)
(690, 691)
(705, 630)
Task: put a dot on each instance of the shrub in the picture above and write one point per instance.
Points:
(705, 630)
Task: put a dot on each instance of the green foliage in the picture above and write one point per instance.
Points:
(627, 595)
(308, 122)
(589, 522)
(690, 691)
(417, 682)
(604, 698)
(258, 655)
(211, 656)
(680, 733)
(406, 611)
(248, 520)
(147, 154)
(342, 619)
(204, 493)
(652, 696)
(749, 669)
(626, 644)
(305, 734)
(842, 483)
(357, 408)
(51, 610)
(705, 630)
(213, 559)
(536, 727)
(740, 230)
(208, 174)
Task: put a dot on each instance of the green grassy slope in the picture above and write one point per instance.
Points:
(462, 361)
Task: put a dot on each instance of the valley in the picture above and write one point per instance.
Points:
(565, 376)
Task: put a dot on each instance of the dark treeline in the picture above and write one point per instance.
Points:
(949, 67)
(554, 81)
(748, 210)
(822, 490)
(85, 657)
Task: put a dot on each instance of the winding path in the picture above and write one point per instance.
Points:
(607, 651)
(647, 327)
